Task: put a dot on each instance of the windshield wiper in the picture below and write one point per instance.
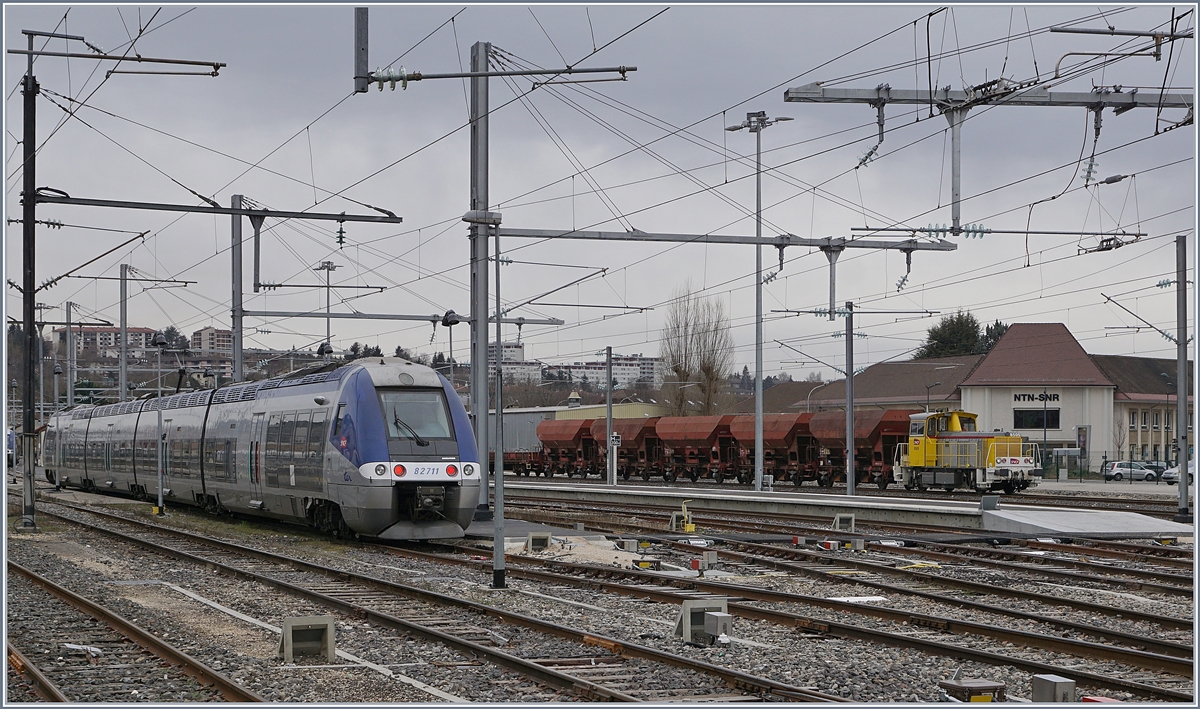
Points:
(415, 436)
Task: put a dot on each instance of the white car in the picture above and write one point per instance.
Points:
(1120, 469)
(1171, 475)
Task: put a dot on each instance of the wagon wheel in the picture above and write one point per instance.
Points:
(646, 474)
(693, 475)
(718, 477)
(669, 476)
(883, 482)
(625, 473)
(825, 480)
(1010, 488)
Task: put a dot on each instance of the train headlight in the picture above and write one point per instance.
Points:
(452, 470)
(381, 469)
(468, 470)
(400, 471)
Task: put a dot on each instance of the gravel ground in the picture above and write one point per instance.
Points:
(854, 669)
(245, 652)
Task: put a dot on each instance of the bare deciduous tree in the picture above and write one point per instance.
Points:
(697, 350)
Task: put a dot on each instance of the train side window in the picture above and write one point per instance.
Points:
(968, 424)
(316, 435)
(273, 437)
(941, 425)
(337, 419)
(916, 428)
(287, 428)
(300, 436)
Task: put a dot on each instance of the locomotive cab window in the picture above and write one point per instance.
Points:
(968, 424)
(916, 428)
(416, 414)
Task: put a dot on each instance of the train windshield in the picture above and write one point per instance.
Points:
(416, 414)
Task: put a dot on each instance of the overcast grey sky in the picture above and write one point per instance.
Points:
(649, 153)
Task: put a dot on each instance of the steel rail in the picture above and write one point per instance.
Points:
(735, 678)
(1169, 556)
(845, 629)
(1144, 579)
(708, 519)
(42, 686)
(530, 669)
(961, 584)
(188, 664)
(1165, 647)
(1170, 656)
(972, 586)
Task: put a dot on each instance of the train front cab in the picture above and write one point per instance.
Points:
(413, 470)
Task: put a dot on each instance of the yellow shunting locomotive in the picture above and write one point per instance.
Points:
(946, 450)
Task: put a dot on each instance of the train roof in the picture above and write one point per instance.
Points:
(384, 371)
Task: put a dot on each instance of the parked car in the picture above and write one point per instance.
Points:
(1121, 469)
(1171, 475)
(1157, 466)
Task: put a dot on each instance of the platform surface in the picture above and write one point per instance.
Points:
(1091, 522)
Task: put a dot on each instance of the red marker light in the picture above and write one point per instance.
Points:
(452, 470)
(400, 471)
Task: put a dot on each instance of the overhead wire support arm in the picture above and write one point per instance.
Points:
(47, 198)
(401, 76)
(216, 66)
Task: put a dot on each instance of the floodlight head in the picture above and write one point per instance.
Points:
(480, 216)
(732, 129)
(159, 340)
(751, 115)
(450, 318)
(784, 118)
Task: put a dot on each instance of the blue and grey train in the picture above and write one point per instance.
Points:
(378, 447)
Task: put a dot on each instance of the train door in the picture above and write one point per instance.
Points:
(254, 462)
(165, 453)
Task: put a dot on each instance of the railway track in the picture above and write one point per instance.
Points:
(1161, 507)
(599, 668)
(929, 635)
(1163, 578)
(88, 653)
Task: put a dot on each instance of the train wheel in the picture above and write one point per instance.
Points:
(625, 474)
(1010, 488)
(883, 483)
(825, 480)
(718, 477)
(693, 475)
(646, 475)
(669, 476)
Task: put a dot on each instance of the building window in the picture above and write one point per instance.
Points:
(1145, 420)
(1145, 450)
(1032, 418)
(1132, 420)
(1157, 419)
(1170, 422)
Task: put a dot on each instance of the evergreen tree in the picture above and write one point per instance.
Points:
(957, 334)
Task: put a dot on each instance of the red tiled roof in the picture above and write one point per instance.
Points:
(1037, 354)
